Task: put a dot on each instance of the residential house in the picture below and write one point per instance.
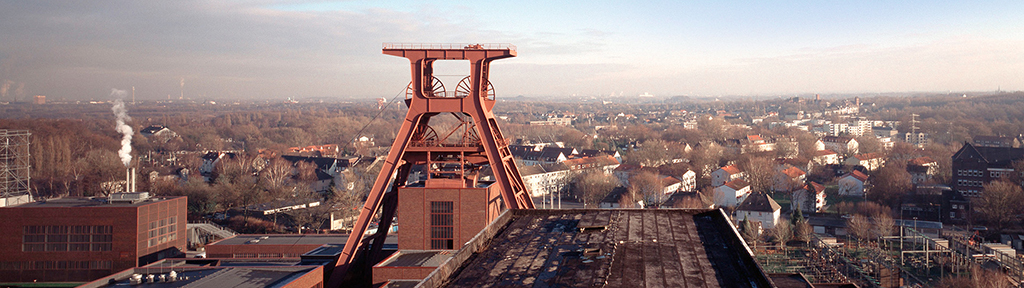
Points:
(810, 198)
(842, 145)
(870, 161)
(852, 184)
(922, 169)
(670, 184)
(689, 200)
(731, 193)
(788, 178)
(756, 143)
(725, 174)
(935, 203)
(616, 198)
(819, 145)
(826, 157)
(595, 152)
(622, 172)
(160, 132)
(688, 181)
(545, 179)
(996, 141)
(975, 166)
(759, 207)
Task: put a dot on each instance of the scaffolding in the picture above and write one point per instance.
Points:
(14, 163)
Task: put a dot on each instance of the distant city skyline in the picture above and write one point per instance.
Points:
(278, 49)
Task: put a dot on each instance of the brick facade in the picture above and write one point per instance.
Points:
(72, 241)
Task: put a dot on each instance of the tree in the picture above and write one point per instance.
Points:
(999, 203)
(647, 186)
(782, 232)
(889, 184)
(748, 231)
(884, 224)
(759, 172)
(802, 231)
(797, 217)
(593, 186)
(860, 227)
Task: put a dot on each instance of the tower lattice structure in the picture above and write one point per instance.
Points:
(446, 155)
(14, 162)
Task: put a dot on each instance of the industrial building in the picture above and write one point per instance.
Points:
(81, 239)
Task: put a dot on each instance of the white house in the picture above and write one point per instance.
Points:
(826, 157)
(759, 207)
(788, 179)
(922, 169)
(842, 145)
(732, 193)
(725, 174)
(670, 184)
(688, 182)
(810, 198)
(852, 184)
(870, 161)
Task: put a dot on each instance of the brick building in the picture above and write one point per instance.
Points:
(974, 166)
(81, 239)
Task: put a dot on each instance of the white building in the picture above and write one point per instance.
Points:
(852, 184)
(810, 198)
(731, 193)
(725, 174)
(870, 161)
(759, 207)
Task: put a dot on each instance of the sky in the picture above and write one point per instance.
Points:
(264, 49)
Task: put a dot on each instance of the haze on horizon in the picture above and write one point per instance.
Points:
(275, 49)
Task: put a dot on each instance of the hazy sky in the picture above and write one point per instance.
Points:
(278, 49)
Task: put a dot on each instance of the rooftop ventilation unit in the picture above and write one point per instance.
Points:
(132, 198)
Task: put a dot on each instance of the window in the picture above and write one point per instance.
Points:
(67, 238)
(442, 222)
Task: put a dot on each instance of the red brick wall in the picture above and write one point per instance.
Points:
(314, 278)
(474, 209)
(20, 266)
(228, 251)
(383, 274)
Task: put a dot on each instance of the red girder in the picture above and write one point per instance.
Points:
(424, 103)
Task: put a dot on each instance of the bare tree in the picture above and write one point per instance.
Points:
(884, 225)
(890, 183)
(860, 227)
(759, 172)
(593, 186)
(999, 203)
(782, 233)
(647, 186)
(276, 173)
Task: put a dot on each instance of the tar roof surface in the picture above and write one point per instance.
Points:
(89, 202)
(615, 248)
(285, 239)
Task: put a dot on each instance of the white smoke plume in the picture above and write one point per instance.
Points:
(126, 131)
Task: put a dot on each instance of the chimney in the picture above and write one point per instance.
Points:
(134, 180)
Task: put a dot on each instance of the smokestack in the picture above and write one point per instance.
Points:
(125, 153)
(128, 180)
(134, 179)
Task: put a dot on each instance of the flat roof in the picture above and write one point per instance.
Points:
(89, 202)
(417, 258)
(212, 277)
(604, 247)
(284, 239)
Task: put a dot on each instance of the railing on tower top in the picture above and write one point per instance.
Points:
(451, 46)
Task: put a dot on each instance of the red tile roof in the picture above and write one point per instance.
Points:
(868, 156)
(793, 172)
(731, 169)
(737, 184)
(921, 161)
(857, 174)
(824, 152)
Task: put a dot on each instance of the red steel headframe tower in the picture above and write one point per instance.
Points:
(451, 158)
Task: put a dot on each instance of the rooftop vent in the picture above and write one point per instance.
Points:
(132, 198)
